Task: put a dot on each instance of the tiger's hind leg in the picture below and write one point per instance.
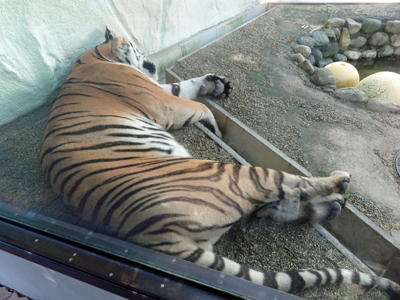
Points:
(318, 208)
(206, 86)
(311, 208)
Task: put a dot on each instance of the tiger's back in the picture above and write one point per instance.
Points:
(107, 152)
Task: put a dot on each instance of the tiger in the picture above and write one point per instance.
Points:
(107, 152)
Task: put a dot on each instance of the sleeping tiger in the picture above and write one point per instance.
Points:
(107, 152)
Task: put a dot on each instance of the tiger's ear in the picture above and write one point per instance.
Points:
(109, 34)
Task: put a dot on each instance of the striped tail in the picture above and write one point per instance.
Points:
(294, 281)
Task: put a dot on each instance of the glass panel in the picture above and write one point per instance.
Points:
(275, 100)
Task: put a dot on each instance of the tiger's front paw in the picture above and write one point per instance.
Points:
(216, 87)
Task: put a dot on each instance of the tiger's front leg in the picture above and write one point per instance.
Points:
(206, 86)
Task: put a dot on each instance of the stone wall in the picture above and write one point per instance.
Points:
(340, 40)
(368, 38)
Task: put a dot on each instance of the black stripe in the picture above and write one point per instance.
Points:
(195, 255)
(355, 278)
(99, 128)
(67, 113)
(318, 275)
(189, 225)
(65, 127)
(142, 226)
(115, 206)
(195, 201)
(138, 109)
(216, 193)
(51, 149)
(159, 244)
(100, 56)
(176, 89)
(257, 182)
(327, 275)
(147, 180)
(187, 122)
(139, 136)
(244, 273)
(278, 181)
(297, 283)
(52, 165)
(149, 66)
(71, 94)
(270, 280)
(218, 263)
(93, 161)
(102, 146)
(65, 181)
(167, 151)
(72, 103)
(102, 200)
(339, 276)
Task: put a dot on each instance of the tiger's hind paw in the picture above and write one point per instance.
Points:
(342, 180)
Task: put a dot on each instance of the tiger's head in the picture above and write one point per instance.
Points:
(121, 50)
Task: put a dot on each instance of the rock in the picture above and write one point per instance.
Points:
(335, 22)
(369, 54)
(330, 50)
(351, 94)
(337, 33)
(311, 58)
(346, 75)
(386, 51)
(321, 39)
(303, 50)
(323, 76)
(384, 85)
(324, 62)
(330, 34)
(306, 66)
(371, 25)
(393, 26)
(353, 26)
(317, 54)
(378, 39)
(344, 40)
(382, 106)
(329, 88)
(353, 55)
(397, 52)
(298, 57)
(339, 57)
(306, 41)
(358, 42)
(395, 40)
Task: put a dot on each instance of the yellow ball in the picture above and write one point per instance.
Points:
(384, 85)
(346, 75)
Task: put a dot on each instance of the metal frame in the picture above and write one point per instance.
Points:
(119, 267)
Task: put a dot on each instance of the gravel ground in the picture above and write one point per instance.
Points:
(260, 101)
(276, 99)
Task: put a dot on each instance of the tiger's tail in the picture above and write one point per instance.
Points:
(296, 280)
